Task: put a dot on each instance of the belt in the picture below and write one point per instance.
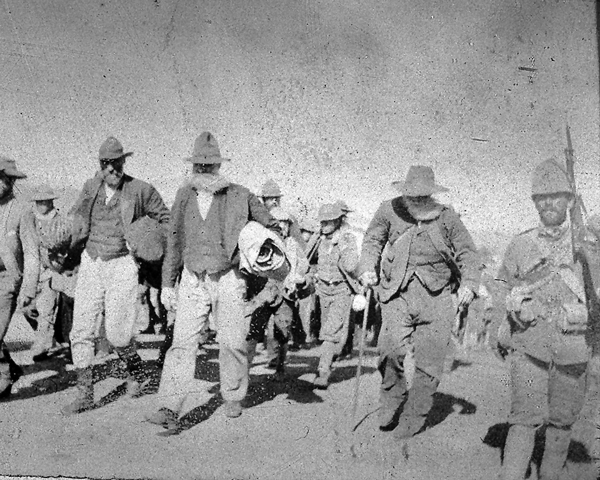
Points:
(331, 284)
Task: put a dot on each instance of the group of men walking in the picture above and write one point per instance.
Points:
(417, 257)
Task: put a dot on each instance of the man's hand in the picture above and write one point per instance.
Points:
(368, 279)
(465, 296)
(168, 297)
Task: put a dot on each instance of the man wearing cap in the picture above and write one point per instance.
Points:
(207, 217)
(336, 258)
(47, 299)
(419, 252)
(548, 316)
(279, 311)
(19, 264)
(270, 194)
(108, 275)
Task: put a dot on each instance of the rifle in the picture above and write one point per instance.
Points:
(577, 211)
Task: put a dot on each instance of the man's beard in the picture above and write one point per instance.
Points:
(209, 182)
(113, 179)
(423, 211)
(552, 218)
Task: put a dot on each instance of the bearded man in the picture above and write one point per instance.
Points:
(425, 262)
(550, 314)
(207, 217)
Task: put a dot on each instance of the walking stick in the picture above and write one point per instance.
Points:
(361, 350)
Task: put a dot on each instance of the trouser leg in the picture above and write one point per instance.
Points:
(8, 302)
(46, 303)
(228, 291)
(328, 350)
(193, 306)
(88, 306)
(566, 397)
(283, 319)
(335, 309)
(517, 452)
(418, 403)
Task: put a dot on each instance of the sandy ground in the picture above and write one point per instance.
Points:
(287, 431)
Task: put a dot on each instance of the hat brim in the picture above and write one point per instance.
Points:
(115, 156)
(14, 173)
(206, 160)
(418, 190)
(328, 218)
(41, 198)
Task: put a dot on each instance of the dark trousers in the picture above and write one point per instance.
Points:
(415, 320)
(9, 290)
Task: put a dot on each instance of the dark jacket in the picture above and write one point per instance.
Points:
(19, 254)
(138, 199)
(449, 237)
(240, 206)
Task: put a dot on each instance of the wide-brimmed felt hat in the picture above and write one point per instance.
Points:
(43, 192)
(329, 211)
(9, 168)
(206, 150)
(270, 189)
(420, 182)
(111, 149)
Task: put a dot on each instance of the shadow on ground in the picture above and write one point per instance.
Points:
(265, 387)
(579, 464)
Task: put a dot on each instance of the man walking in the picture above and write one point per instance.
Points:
(336, 259)
(46, 300)
(19, 264)
(545, 328)
(207, 217)
(108, 275)
(428, 254)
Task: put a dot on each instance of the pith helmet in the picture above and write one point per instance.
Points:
(420, 182)
(111, 149)
(206, 150)
(549, 177)
(270, 189)
(329, 211)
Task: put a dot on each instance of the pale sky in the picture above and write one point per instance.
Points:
(332, 99)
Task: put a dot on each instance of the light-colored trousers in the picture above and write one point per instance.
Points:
(222, 293)
(111, 287)
(46, 302)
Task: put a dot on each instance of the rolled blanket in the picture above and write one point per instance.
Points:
(262, 252)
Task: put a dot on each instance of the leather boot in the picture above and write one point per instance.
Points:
(280, 364)
(85, 393)
(418, 403)
(555, 452)
(137, 379)
(392, 393)
(517, 452)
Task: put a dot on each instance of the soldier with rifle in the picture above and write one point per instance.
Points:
(546, 290)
